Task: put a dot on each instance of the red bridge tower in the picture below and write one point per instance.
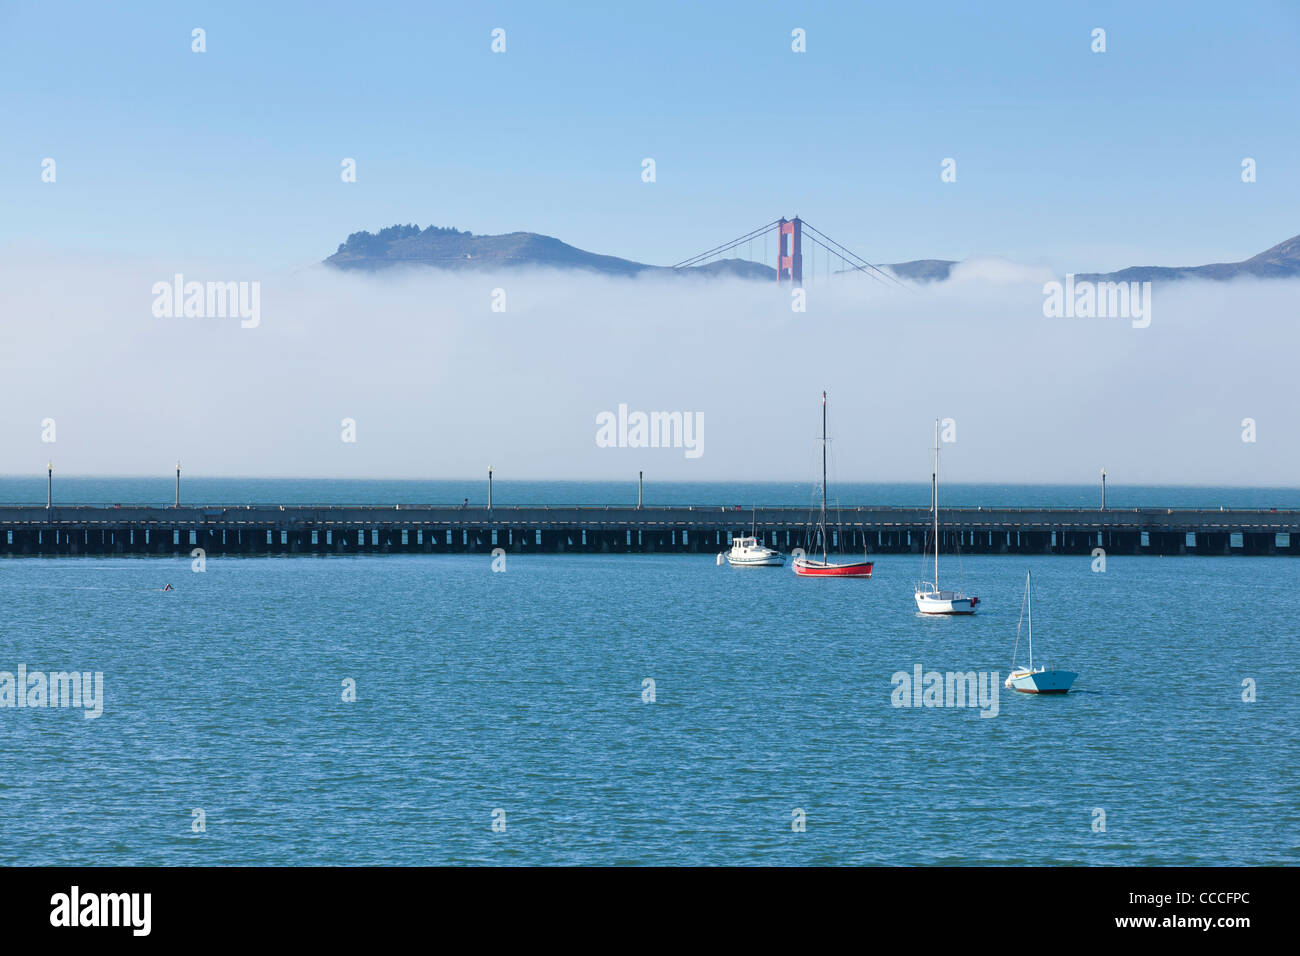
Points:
(789, 262)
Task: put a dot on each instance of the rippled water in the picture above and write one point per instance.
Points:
(522, 691)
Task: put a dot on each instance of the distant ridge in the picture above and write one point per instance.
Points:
(448, 248)
(453, 249)
(1280, 262)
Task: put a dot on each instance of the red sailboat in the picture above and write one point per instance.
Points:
(825, 568)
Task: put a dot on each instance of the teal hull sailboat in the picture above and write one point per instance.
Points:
(1031, 680)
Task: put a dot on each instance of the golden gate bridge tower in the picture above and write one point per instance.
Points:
(736, 256)
(789, 261)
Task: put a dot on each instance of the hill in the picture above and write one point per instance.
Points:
(448, 248)
(1280, 262)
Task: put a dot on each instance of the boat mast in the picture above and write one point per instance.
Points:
(825, 555)
(1029, 596)
(934, 499)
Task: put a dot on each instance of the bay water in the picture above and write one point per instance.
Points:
(646, 709)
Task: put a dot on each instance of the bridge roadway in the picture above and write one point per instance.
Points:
(366, 529)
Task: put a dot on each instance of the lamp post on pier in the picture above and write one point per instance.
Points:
(178, 485)
(49, 486)
(1103, 489)
(489, 487)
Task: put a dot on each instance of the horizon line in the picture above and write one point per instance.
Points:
(169, 476)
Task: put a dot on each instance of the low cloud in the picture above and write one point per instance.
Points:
(440, 385)
(1002, 271)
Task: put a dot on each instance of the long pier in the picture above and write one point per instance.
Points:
(378, 529)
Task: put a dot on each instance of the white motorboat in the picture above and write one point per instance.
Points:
(930, 598)
(748, 553)
(1032, 680)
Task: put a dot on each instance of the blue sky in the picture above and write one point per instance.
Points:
(1064, 156)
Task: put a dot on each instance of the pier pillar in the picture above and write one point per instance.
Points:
(1166, 542)
(1211, 542)
(1258, 543)
(1033, 542)
(1122, 542)
(1080, 542)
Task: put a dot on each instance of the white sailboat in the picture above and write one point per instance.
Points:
(1029, 680)
(930, 598)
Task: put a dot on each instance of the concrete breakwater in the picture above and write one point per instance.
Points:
(365, 529)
